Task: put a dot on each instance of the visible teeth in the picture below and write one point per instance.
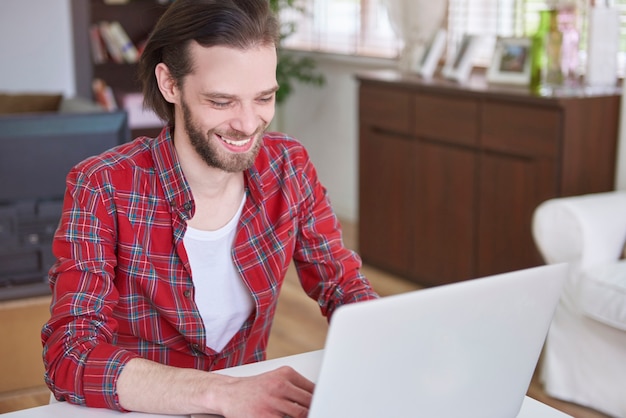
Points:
(237, 143)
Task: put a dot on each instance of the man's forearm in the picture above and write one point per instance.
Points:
(151, 387)
(147, 386)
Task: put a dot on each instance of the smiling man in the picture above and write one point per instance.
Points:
(171, 251)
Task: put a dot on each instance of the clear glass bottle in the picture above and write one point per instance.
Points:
(554, 44)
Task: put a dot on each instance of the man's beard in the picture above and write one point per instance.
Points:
(210, 152)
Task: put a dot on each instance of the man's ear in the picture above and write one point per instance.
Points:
(167, 84)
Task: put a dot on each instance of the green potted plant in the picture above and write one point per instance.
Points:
(291, 68)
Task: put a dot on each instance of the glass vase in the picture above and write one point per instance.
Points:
(547, 52)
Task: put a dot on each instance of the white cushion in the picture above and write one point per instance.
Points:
(602, 293)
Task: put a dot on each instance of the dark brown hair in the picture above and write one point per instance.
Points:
(234, 23)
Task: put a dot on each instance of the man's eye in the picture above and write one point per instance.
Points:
(219, 104)
(266, 99)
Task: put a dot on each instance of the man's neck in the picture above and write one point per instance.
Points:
(217, 193)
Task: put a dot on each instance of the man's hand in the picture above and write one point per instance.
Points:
(279, 393)
(147, 386)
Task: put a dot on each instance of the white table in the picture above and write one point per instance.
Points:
(307, 364)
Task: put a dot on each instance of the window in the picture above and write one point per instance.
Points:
(362, 27)
(352, 27)
(491, 18)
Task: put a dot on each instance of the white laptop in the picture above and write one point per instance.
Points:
(467, 349)
(462, 350)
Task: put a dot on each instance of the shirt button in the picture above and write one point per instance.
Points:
(187, 293)
(187, 206)
(196, 349)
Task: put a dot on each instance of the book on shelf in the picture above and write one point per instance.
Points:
(98, 48)
(118, 44)
(103, 94)
(114, 51)
(126, 46)
(141, 45)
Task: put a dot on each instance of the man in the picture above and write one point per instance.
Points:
(171, 251)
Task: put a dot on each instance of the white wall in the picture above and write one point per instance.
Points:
(36, 46)
(325, 120)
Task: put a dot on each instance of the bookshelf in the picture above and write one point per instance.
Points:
(137, 17)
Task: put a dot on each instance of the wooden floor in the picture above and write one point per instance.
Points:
(299, 327)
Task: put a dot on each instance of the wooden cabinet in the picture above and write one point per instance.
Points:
(21, 349)
(385, 158)
(138, 18)
(450, 175)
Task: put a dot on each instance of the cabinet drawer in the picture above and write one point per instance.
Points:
(385, 108)
(448, 119)
(521, 129)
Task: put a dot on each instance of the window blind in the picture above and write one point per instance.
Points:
(352, 27)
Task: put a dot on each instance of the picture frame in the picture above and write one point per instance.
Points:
(511, 63)
(460, 68)
(426, 66)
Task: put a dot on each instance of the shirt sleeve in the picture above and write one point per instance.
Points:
(81, 363)
(330, 273)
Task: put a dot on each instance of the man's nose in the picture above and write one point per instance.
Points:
(246, 119)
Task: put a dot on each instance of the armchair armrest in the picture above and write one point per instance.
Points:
(587, 229)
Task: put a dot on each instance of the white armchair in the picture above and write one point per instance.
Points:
(584, 359)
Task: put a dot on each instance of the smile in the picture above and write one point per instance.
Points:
(236, 143)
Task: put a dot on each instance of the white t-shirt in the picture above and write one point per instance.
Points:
(223, 299)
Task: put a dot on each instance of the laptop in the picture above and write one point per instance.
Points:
(467, 349)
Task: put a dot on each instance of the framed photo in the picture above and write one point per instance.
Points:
(429, 60)
(511, 61)
(463, 62)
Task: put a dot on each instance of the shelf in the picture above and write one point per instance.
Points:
(121, 77)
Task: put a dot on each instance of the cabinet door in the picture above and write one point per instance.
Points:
(511, 187)
(385, 202)
(518, 170)
(444, 213)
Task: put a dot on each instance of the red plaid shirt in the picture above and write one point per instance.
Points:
(122, 285)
